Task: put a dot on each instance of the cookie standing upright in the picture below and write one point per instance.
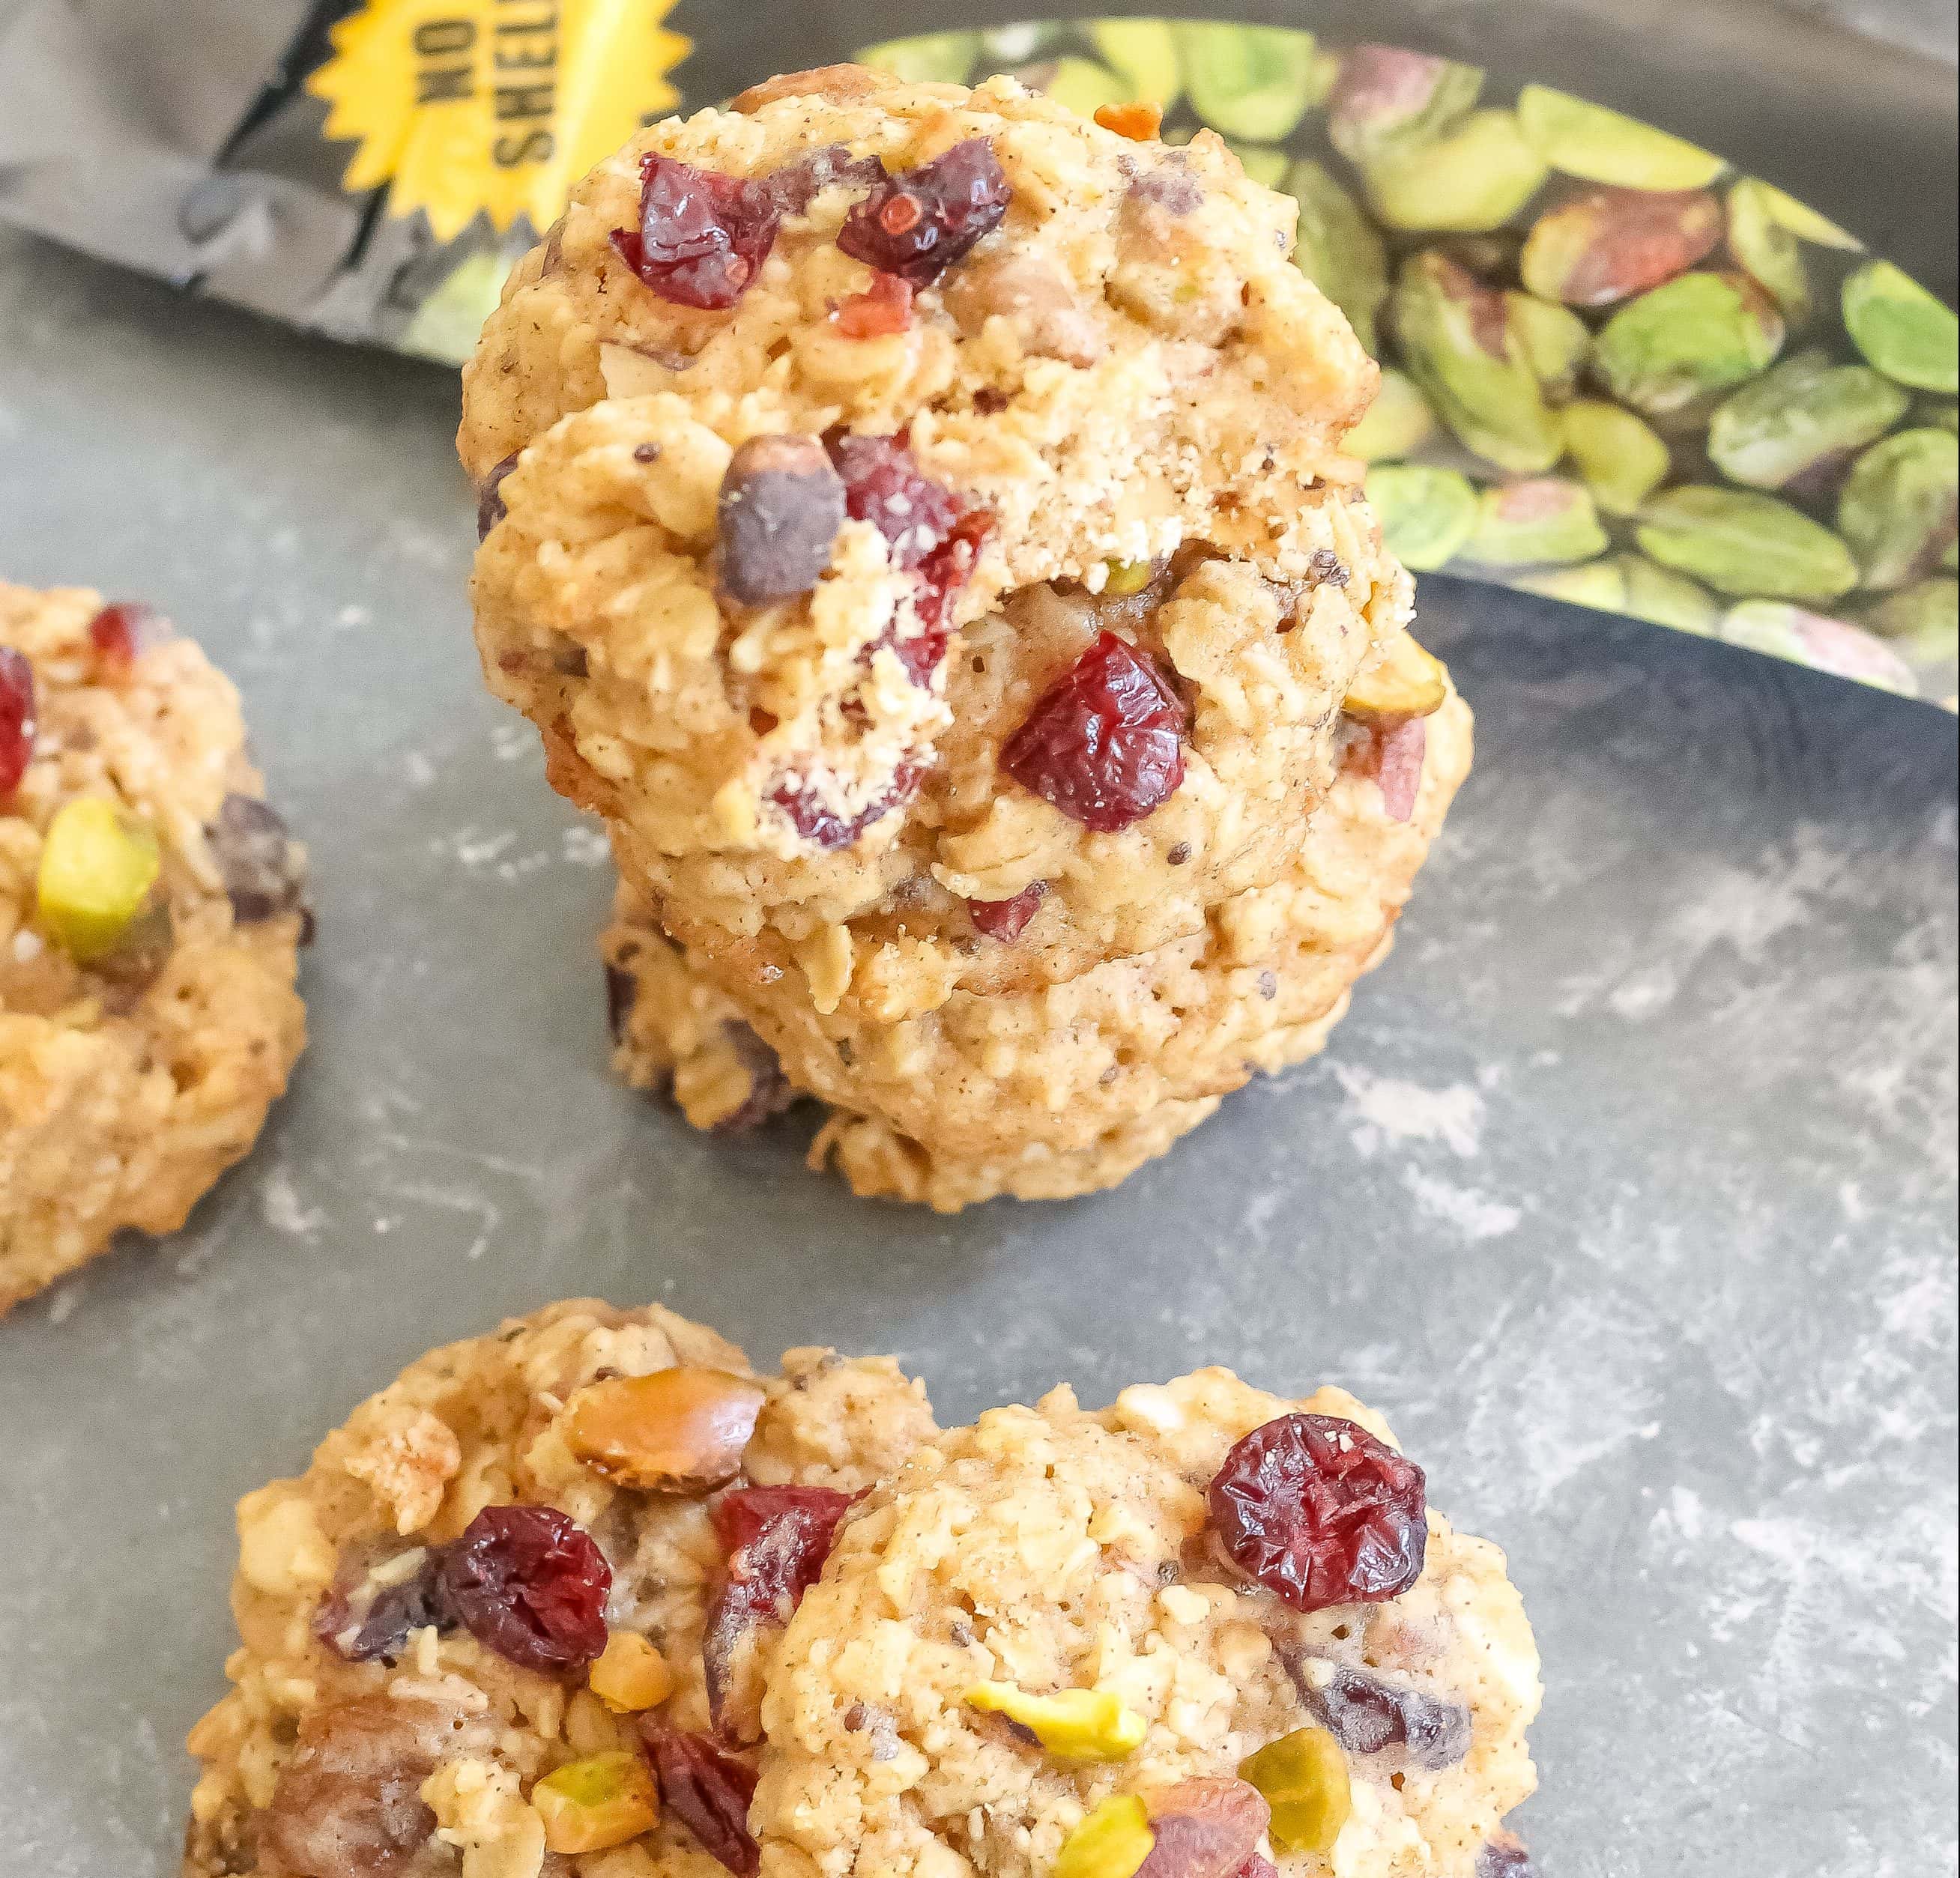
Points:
(152, 905)
(515, 1618)
(915, 519)
(1205, 1630)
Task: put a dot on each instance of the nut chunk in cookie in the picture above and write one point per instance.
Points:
(1204, 1633)
(513, 1621)
(152, 905)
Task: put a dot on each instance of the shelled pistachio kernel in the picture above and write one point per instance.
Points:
(679, 1429)
(1112, 1842)
(631, 1675)
(1076, 1725)
(98, 864)
(592, 1805)
(1303, 1777)
(1123, 577)
(1407, 683)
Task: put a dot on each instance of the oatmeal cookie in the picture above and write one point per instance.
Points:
(151, 908)
(1205, 1627)
(900, 501)
(1070, 1087)
(513, 1619)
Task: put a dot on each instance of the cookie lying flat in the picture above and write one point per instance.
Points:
(1067, 1088)
(1204, 1633)
(152, 908)
(513, 1619)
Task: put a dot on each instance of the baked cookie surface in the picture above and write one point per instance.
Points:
(152, 908)
(1205, 1626)
(513, 1619)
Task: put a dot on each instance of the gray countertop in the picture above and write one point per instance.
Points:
(1627, 1191)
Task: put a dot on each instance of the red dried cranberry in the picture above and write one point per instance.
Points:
(885, 308)
(1393, 755)
(1105, 743)
(1204, 1827)
(381, 1630)
(1258, 1866)
(123, 632)
(17, 718)
(796, 185)
(884, 485)
(770, 1091)
(708, 1791)
(815, 821)
(1367, 1714)
(917, 224)
(942, 575)
(1320, 1513)
(1505, 1857)
(490, 509)
(529, 1584)
(703, 237)
(1008, 919)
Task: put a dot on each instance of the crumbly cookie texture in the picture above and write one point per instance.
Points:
(930, 1712)
(780, 563)
(152, 907)
(1066, 1087)
(505, 1590)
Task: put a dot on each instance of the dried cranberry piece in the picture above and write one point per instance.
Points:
(1321, 1513)
(796, 185)
(770, 1091)
(1367, 1714)
(1104, 743)
(942, 575)
(17, 718)
(1258, 1866)
(708, 1790)
(490, 509)
(703, 237)
(885, 308)
(1505, 1857)
(777, 519)
(529, 1583)
(884, 485)
(815, 821)
(263, 868)
(123, 632)
(1392, 754)
(917, 224)
(1008, 919)
(381, 1631)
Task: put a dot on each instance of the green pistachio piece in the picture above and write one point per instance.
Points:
(1426, 514)
(1587, 140)
(1818, 641)
(1144, 52)
(1112, 1842)
(1767, 251)
(1739, 542)
(1544, 518)
(1387, 94)
(1083, 85)
(1074, 1724)
(926, 58)
(1597, 583)
(1697, 335)
(1476, 177)
(1621, 459)
(1266, 166)
(1325, 76)
(1340, 250)
(1554, 341)
(1667, 598)
(1249, 82)
(98, 863)
(1458, 346)
(1398, 423)
(1804, 223)
(1608, 244)
(1303, 1777)
(1901, 328)
(1803, 415)
(1922, 621)
(1900, 505)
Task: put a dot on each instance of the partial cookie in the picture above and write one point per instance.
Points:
(901, 501)
(1205, 1632)
(513, 1619)
(152, 908)
(1067, 1088)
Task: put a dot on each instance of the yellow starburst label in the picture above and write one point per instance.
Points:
(493, 107)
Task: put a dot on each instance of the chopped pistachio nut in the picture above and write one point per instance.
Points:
(1303, 1777)
(98, 864)
(631, 1675)
(1112, 1842)
(602, 1801)
(1077, 1724)
(1121, 577)
(1407, 683)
